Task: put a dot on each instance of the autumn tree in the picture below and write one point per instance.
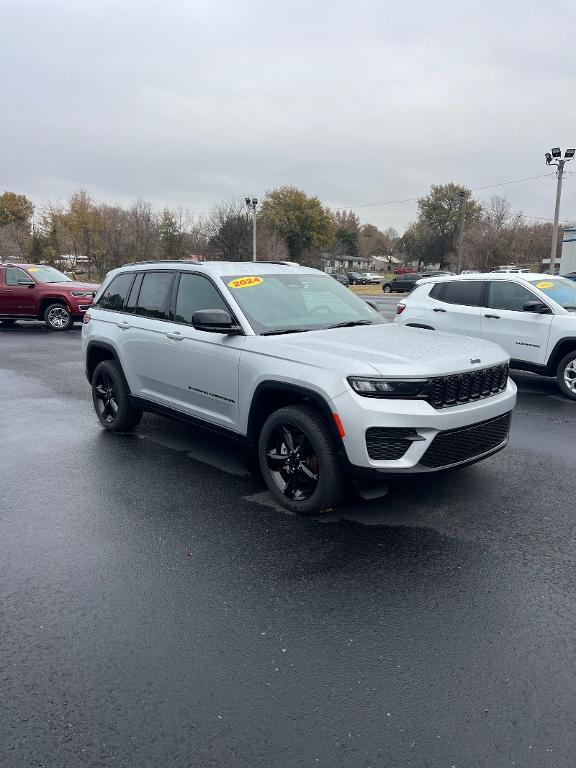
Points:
(228, 231)
(439, 212)
(170, 236)
(303, 222)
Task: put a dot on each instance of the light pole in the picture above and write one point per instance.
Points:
(463, 199)
(554, 157)
(251, 205)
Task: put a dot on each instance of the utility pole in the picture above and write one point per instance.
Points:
(555, 158)
(463, 200)
(251, 205)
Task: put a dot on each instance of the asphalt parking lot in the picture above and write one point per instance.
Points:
(156, 609)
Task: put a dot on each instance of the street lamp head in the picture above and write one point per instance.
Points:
(247, 200)
(569, 153)
(254, 201)
(556, 152)
(548, 158)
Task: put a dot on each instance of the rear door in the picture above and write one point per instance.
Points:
(17, 293)
(201, 367)
(456, 306)
(140, 332)
(524, 335)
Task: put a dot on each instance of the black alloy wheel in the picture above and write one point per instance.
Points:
(111, 398)
(299, 460)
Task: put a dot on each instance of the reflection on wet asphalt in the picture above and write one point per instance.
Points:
(158, 609)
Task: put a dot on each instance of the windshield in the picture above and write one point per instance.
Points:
(48, 275)
(298, 302)
(559, 289)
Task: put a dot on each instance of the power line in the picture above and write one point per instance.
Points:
(472, 189)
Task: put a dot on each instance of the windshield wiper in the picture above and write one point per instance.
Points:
(280, 331)
(350, 324)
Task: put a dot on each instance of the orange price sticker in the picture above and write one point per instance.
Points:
(245, 282)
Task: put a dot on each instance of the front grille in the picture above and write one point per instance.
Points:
(388, 443)
(455, 446)
(460, 388)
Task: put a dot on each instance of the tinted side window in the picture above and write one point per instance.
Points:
(114, 296)
(130, 305)
(504, 295)
(194, 293)
(152, 300)
(437, 290)
(13, 275)
(465, 292)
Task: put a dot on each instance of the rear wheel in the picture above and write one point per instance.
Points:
(387, 289)
(566, 375)
(110, 395)
(299, 460)
(58, 318)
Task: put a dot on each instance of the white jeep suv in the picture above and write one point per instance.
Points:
(291, 362)
(532, 316)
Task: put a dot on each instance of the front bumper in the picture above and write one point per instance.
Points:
(359, 414)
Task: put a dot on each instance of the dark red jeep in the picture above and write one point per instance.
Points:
(39, 292)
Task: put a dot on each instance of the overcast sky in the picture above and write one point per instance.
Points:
(184, 102)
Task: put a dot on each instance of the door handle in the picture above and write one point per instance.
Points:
(176, 336)
(493, 317)
(437, 309)
(123, 325)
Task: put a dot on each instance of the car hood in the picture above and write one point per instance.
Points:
(76, 285)
(387, 350)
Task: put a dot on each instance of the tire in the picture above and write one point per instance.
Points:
(8, 323)
(302, 485)
(387, 288)
(110, 395)
(57, 317)
(566, 375)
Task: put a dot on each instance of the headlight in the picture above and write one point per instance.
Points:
(380, 387)
(82, 293)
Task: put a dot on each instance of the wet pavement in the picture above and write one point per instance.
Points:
(156, 609)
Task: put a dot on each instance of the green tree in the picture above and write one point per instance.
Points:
(347, 232)
(303, 222)
(15, 209)
(170, 236)
(440, 215)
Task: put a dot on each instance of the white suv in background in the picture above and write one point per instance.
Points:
(532, 316)
(288, 360)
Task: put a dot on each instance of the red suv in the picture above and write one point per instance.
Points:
(39, 292)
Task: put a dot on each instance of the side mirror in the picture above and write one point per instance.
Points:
(215, 321)
(537, 306)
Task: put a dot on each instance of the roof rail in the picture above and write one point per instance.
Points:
(161, 261)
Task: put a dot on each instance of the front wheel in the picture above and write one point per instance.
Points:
(299, 460)
(566, 375)
(110, 395)
(58, 318)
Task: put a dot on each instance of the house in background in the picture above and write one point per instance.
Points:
(344, 263)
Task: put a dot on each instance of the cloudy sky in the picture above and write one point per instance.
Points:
(184, 102)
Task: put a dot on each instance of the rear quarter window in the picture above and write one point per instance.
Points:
(115, 294)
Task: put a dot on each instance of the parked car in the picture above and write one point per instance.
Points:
(356, 278)
(372, 279)
(403, 270)
(532, 316)
(436, 273)
(288, 361)
(471, 272)
(341, 279)
(40, 292)
(402, 283)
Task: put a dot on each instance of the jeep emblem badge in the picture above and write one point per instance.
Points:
(475, 360)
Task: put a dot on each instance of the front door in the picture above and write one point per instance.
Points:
(524, 335)
(201, 367)
(17, 293)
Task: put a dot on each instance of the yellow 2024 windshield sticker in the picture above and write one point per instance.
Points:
(545, 284)
(245, 282)
(32, 269)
